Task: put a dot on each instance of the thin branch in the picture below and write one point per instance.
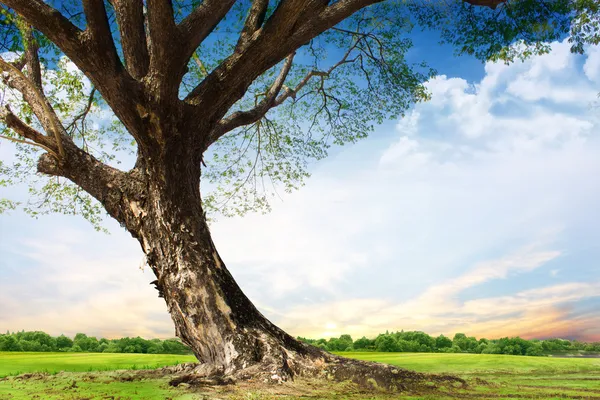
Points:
(200, 64)
(240, 118)
(52, 23)
(294, 23)
(22, 129)
(85, 111)
(20, 62)
(12, 139)
(486, 3)
(292, 92)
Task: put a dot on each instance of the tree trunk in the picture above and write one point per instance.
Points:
(210, 312)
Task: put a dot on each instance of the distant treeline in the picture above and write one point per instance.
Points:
(41, 341)
(461, 343)
(412, 341)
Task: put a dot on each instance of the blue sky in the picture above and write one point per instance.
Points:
(476, 213)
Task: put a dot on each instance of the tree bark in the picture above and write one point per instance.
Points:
(210, 312)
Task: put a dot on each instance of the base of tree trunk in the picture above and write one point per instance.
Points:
(318, 364)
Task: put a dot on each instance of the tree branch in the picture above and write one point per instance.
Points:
(36, 100)
(22, 129)
(31, 57)
(282, 34)
(84, 113)
(96, 59)
(119, 192)
(49, 21)
(130, 18)
(163, 34)
(293, 24)
(12, 139)
(97, 22)
(200, 23)
(293, 92)
(254, 19)
(241, 118)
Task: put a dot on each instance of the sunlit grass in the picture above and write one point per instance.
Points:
(488, 376)
(15, 363)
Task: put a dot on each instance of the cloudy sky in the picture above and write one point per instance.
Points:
(476, 213)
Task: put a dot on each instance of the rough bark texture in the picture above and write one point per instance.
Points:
(210, 312)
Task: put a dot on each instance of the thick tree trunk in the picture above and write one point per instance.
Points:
(210, 312)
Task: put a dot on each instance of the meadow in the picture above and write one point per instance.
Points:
(95, 376)
(16, 363)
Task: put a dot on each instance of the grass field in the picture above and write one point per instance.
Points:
(488, 377)
(12, 363)
(478, 363)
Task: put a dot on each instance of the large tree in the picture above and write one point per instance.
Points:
(244, 92)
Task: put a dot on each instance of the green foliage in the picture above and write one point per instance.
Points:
(420, 342)
(442, 342)
(341, 107)
(85, 117)
(37, 341)
(386, 343)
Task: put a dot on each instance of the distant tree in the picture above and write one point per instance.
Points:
(481, 347)
(386, 343)
(113, 347)
(363, 343)
(9, 343)
(345, 343)
(466, 344)
(455, 349)
(102, 347)
(30, 345)
(534, 350)
(76, 349)
(63, 342)
(443, 342)
(155, 348)
(89, 344)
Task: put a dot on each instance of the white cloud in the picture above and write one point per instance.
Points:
(439, 310)
(592, 65)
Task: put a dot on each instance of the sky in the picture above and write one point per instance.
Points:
(477, 213)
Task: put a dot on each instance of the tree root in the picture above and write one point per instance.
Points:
(367, 375)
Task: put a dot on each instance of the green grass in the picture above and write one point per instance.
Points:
(91, 385)
(15, 363)
(477, 363)
(488, 376)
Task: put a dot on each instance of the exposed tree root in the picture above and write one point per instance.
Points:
(368, 375)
